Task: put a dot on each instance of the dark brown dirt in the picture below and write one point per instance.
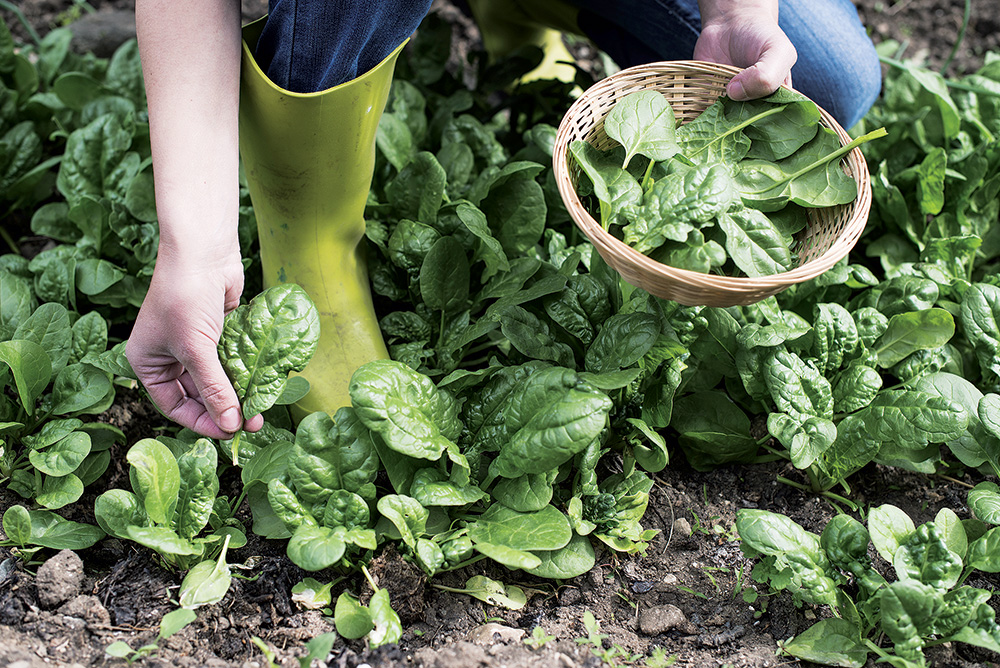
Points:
(694, 573)
(928, 30)
(695, 565)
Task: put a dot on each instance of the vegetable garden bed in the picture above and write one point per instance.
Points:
(871, 391)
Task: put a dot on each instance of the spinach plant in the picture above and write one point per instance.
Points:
(321, 501)
(28, 531)
(877, 379)
(175, 488)
(171, 623)
(51, 358)
(377, 622)
(400, 421)
(927, 604)
(88, 183)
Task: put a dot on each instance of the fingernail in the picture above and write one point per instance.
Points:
(230, 420)
(736, 91)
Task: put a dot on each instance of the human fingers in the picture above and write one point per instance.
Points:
(772, 69)
(253, 424)
(160, 374)
(212, 387)
(187, 382)
(167, 390)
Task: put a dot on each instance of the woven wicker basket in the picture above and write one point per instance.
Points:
(690, 87)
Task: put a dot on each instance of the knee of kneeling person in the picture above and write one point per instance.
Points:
(852, 80)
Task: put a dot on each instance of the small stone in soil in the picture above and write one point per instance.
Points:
(682, 527)
(59, 579)
(662, 618)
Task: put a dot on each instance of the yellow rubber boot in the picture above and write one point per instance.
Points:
(308, 160)
(507, 25)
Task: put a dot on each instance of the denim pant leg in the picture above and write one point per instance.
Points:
(312, 45)
(837, 65)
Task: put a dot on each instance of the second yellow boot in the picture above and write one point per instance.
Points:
(507, 25)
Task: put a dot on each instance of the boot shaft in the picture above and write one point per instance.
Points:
(308, 159)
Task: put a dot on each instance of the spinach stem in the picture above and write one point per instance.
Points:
(441, 331)
(875, 648)
(9, 240)
(647, 175)
(777, 453)
(891, 387)
(467, 562)
(368, 576)
(967, 14)
(454, 590)
(19, 15)
(833, 498)
(480, 348)
(971, 88)
(239, 500)
(605, 214)
(791, 483)
(236, 448)
(37, 423)
(222, 554)
(843, 150)
(813, 480)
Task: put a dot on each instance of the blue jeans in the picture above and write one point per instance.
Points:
(837, 66)
(313, 45)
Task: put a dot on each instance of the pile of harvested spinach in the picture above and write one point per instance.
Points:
(725, 193)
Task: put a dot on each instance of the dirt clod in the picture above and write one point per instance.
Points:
(663, 618)
(405, 581)
(487, 634)
(87, 608)
(59, 579)
(459, 655)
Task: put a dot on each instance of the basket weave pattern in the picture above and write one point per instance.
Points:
(690, 87)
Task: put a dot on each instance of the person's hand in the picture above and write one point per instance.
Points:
(747, 37)
(173, 346)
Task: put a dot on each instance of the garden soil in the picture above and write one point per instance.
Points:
(690, 595)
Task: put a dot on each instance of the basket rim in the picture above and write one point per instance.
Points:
(733, 285)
